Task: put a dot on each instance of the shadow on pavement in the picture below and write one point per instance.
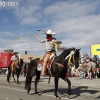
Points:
(76, 92)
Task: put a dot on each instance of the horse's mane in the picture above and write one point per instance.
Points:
(34, 62)
(67, 51)
(77, 53)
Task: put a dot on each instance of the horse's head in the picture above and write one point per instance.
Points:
(76, 57)
(72, 55)
(21, 62)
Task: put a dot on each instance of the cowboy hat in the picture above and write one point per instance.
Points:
(50, 32)
(30, 57)
(15, 52)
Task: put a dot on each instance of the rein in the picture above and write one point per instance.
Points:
(69, 60)
(71, 55)
(59, 64)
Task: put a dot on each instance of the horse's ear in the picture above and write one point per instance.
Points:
(79, 49)
(73, 48)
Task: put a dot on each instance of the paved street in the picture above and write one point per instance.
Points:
(82, 89)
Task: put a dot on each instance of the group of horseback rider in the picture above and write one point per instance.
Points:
(52, 45)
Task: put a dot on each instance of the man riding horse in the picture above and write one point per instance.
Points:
(51, 48)
(15, 67)
(14, 60)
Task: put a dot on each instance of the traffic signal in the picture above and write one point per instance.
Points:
(26, 52)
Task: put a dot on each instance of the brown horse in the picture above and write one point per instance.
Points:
(16, 69)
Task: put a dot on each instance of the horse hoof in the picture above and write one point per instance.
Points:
(38, 94)
(67, 96)
(58, 98)
(17, 82)
(8, 81)
(48, 82)
(27, 92)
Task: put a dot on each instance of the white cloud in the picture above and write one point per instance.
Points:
(75, 22)
(26, 13)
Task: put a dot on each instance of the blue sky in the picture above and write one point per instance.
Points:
(76, 23)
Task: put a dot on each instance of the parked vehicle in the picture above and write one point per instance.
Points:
(5, 57)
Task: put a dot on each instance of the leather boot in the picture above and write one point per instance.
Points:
(45, 73)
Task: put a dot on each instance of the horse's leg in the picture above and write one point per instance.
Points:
(69, 85)
(49, 80)
(29, 84)
(18, 73)
(9, 74)
(37, 80)
(13, 76)
(28, 81)
(13, 70)
(25, 71)
(49, 72)
(56, 79)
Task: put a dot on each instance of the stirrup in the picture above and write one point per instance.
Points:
(44, 74)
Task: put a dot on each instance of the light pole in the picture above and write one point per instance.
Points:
(17, 40)
(10, 46)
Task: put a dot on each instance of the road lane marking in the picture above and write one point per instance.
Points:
(12, 88)
(32, 92)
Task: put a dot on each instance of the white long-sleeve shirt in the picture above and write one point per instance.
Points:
(14, 58)
(49, 44)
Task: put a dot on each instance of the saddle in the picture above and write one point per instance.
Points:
(41, 61)
(14, 65)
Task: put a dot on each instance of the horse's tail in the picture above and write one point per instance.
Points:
(31, 72)
(28, 76)
(9, 71)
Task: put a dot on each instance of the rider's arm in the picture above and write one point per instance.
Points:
(42, 41)
(57, 44)
(56, 41)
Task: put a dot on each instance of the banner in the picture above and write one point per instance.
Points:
(95, 49)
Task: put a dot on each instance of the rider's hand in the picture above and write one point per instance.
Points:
(35, 35)
(57, 41)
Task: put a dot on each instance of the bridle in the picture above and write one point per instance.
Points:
(68, 61)
(71, 56)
